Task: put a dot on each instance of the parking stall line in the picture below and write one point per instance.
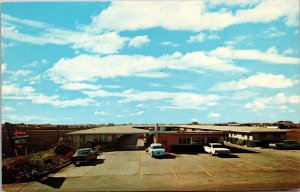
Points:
(260, 167)
(173, 172)
(235, 169)
(141, 173)
(205, 171)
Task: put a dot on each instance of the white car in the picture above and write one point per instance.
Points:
(216, 149)
(156, 150)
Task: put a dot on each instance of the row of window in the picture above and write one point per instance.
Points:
(189, 140)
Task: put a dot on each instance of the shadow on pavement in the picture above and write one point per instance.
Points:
(239, 150)
(55, 182)
(94, 163)
(228, 156)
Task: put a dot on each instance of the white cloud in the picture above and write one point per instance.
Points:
(271, 32)
(201, 37)
(190, 100)
(3, 68)
(137, 113)
(243, 95)
(87, 67)
(288, 51)
(105, 43)
(259, 80)
(186, 86)
(197, 38)
(194, 120)
(236, 40)
(241, 3)
(141, 106)
(8, 109)
(23, 21)
(270, 56)
(177, 99)
(102, 113)
(273, 102)
(190, 15)
(168, 43)
(213, 115)
(28, 93)
(139, 41)
(14, 89)
(36, 63)
(79, 86)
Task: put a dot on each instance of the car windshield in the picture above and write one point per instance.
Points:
(217, 146)
(157, 147)
(83, 152)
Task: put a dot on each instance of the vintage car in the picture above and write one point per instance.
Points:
(84, 155)
(156, 150)
(285, 144)
(216, 149)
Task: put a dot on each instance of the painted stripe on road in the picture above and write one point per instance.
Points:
(259, 167)
(235, 169)
(141, 173)
(205, 171)
(173, 172)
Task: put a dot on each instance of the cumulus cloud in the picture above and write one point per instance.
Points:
(28, 93)
(87, 67)
(177, 99)
(201, 37)
(270, 56)
(191, 15)
(259, 80)
(139, 41)
(273, 102)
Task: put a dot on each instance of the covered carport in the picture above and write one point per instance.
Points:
(120, 136)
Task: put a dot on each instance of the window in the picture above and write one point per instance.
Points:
(198, 140)
(263, 135)
(184, 141)
(212, 139)
(103, 138)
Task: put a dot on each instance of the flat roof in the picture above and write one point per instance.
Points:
(118, 129)
(140, 129)
(243, 129)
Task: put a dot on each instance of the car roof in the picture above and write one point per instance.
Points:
(156, 144)
(83, 149)
(215, 143)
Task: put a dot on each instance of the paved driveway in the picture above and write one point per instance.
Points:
(135, 170)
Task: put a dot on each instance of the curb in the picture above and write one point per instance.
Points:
(53, 170)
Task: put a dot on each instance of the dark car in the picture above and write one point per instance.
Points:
(285, 144)
(84, 155)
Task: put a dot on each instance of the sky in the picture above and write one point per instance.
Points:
(150, 61)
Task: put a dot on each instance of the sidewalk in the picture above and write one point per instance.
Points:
(30, 187)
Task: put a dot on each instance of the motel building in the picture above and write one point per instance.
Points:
(180, 137)
(173, 138)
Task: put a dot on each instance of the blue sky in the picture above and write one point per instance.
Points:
(148, 62)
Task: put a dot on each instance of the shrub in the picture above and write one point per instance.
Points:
(241, 142)
(62, 149)
(253, 143)
(30, 167)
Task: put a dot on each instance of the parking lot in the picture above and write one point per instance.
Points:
(260, 169)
